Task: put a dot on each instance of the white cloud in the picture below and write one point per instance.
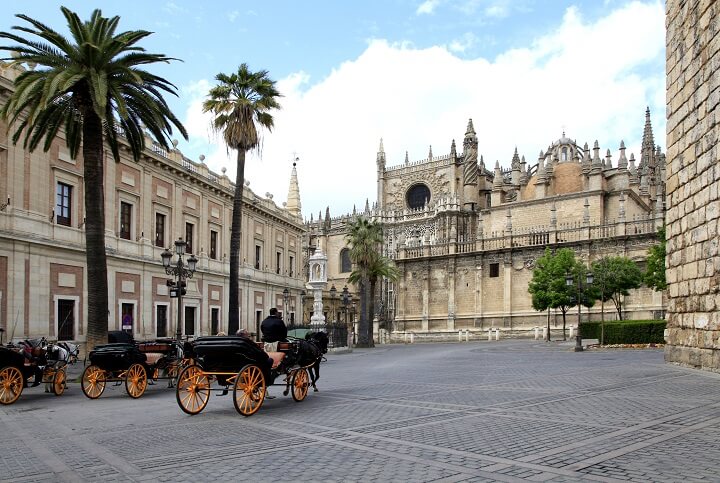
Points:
(583, 78)
(427, 7)
(463, 43)
(232, 16)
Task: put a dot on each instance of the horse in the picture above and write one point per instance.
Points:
(310, 353)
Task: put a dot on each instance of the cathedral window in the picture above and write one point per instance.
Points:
(345, 263)
(564, 155)
(418, 196)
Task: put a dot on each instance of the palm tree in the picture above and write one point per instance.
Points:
(92, 86)
(240, 103)
(365, 239)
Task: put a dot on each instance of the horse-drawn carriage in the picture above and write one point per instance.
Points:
(134, 363)
(34, 358)
(242, 364)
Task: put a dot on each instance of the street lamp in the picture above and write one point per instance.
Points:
(333, 293)
(345, 297)
(570, 282)
(181, 271)
(286, 297)
(302, 306)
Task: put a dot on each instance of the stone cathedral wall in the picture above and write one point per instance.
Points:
(693, 179)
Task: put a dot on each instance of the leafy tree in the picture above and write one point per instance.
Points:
(654, 276)
(92, 86)
(241, 105)
(365, 239)
(614, 277)
(549, 288)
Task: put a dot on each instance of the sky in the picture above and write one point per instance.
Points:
(411, 72)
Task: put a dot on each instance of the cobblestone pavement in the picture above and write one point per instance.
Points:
(484, 411)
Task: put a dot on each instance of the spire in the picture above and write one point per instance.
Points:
(633, 170)
(515, 160)
(586, 161)
(367, 206)
(497, 178)
(328, 222)
(596, 161)
(622, 161)
(470, 131)
(293, 200)
(648, 142)
(608, 160)
(381, 156)
(407, 160)
(470, 143)
(453, 151)
(541, 174)
(430, 156)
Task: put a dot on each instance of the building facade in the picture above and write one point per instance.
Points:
(693, 130)
(148, 205)
(466, 236)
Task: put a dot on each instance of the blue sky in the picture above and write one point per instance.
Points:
(409, 71)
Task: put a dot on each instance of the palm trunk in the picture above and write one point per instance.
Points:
(363, 340)
(371, 312)
(235, 239)
(97, 283)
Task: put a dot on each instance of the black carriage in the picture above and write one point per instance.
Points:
(133, 363)
(34, 358)
(240, 364)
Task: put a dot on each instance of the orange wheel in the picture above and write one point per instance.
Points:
(300, 383)
(136, 381)
(93, 381)
(11, 384)
(249, 390)
(58, 382)
(193, 390)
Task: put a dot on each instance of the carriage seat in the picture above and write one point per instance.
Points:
(277, 358)
(153, 357)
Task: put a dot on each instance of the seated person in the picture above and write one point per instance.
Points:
(273, 328)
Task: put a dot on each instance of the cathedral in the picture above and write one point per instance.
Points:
(465, 236)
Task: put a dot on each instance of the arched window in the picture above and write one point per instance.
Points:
(418, 196)
(345, 263)
(564, 153)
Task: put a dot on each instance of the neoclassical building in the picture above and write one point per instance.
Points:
(465, 236)
(148, 205)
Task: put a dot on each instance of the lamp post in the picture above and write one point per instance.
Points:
(302, 306)
(286, 297)
(345, 298)
(181, 271)
(570, 282)
(333, 294)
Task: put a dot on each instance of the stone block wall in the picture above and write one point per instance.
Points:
(693, 179)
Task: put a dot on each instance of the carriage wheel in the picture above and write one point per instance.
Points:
(11, 384)
(58, 382)
(136, 381)
(93, 382)
(249, 390)
(300, 384)
(193, 390)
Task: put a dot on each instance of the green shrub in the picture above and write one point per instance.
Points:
(626, 331)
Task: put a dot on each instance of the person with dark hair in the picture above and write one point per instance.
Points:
(273, 328)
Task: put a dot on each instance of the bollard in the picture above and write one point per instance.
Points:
(572, 331)
(490, 334)
(467, 336)
(537, 332)
(460, 336)
(545, 333)
(412, 337)
(497, 334)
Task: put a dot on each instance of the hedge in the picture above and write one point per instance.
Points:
(626, 331)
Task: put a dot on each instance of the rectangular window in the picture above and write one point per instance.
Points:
(161, 320)
(189, 320)
(126, 317)
(214, 321)
(213, 244)
(63, 204)
(257, 257)
(66, 319)
(278, 262)
(125, 220)
(189, 227)
(159, 230)
(291, 266)
(494, 270)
